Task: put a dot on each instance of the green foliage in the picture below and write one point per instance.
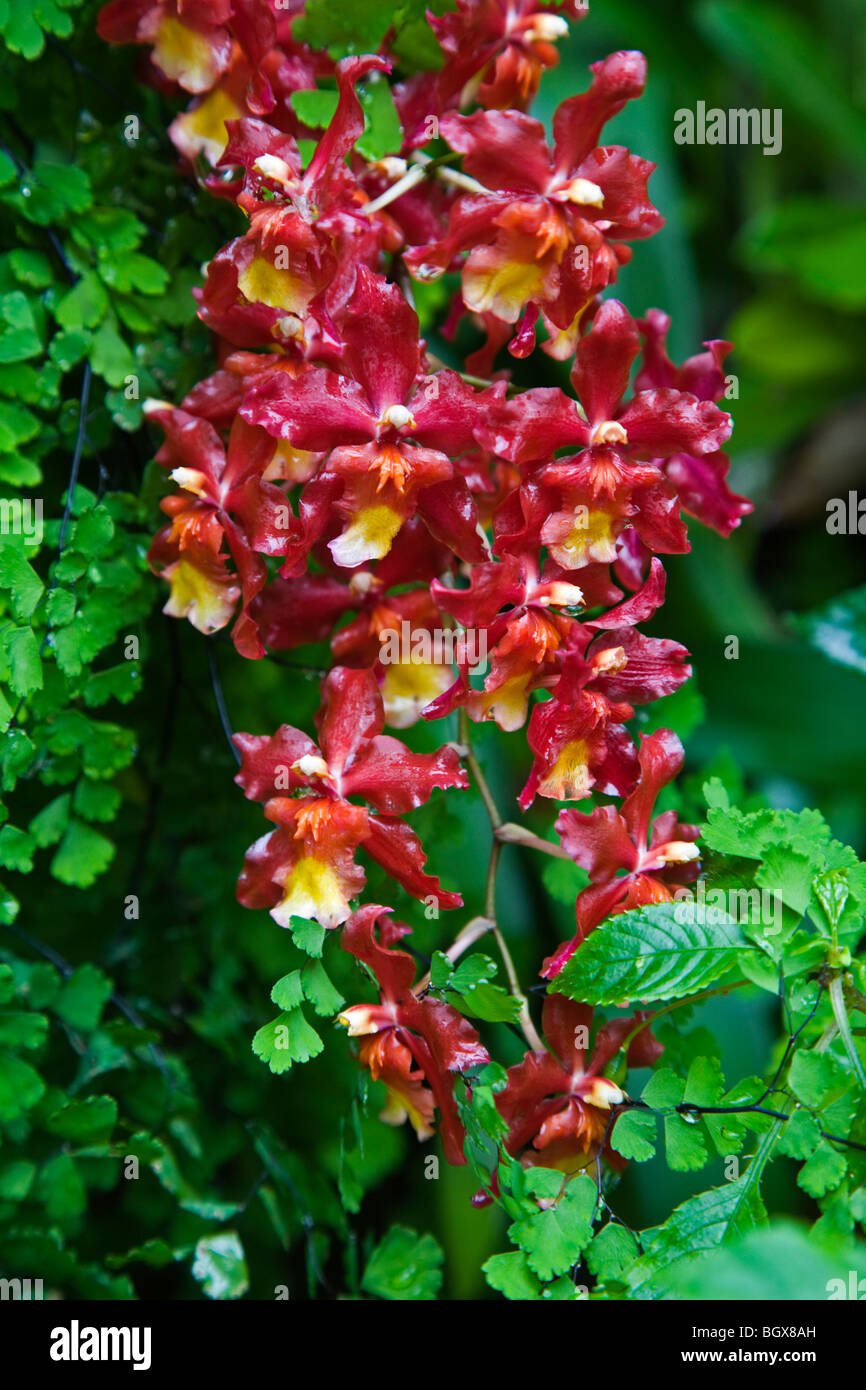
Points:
(404, 1266)
(219, 1266)
(468, 987)
(659, 952)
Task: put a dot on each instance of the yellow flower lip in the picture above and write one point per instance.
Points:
(603, 1093)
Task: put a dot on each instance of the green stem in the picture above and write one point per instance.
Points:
(529, 1030)
(843, 1023)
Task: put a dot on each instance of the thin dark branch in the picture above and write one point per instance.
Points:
(76, 456)
(123, 1005)
(219, 700)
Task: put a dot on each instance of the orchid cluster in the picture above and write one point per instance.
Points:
(334, 481)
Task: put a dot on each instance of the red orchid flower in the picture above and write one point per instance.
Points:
(394, 630)
(191, 43)
(308, 233)
(631, 859)
(558, 1104)
(222, 495)
(414, 1045)
(618, 477)
(521, 611)
(391, 431)
(306, 867)
(250, 86)
(495, 52)
(698, 476)
(545, 228)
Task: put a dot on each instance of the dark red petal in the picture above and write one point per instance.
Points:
(318, 410)
(493, 585)
(216, 398)
(534, 425)
(442, 1086)
(561, 1018)
(292, 612)
(257, 887)
(536, 1088)
(640, 606)
(447, 411)
(266, 761)
(397, 848)
(190, 442)
(351, 714)
(667, 422)
(380, 337)
(450, 512)
(604, 361)
(347, 122)
(661, 758)
(578, 122)
(598, 841)
(394, 970)
(451, 1038)
(657, 519)
(395, 780)
(655, 666)
(704, 493)
(502, 149)
(628, 209)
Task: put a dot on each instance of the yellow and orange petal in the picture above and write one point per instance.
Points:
(262, 281)
(390, 1061)
(368, 536)
(202, 129)
(569, 779)
(409, 686)
(202, 592)
(495, 283)
(185, 55)
(576, 537)
(571, 1139)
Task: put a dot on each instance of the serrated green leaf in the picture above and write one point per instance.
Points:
(612, 1252)
(16, 849)
(325, 999)
(822, 1171)
(634, 1135)
(553, 1239)
(404, 1266)
(287, 1039)
(21, 1086)
(815, 1076)
(288, 992)
(511, 1276)
(665, 951)
(83, 854)
(85, 1122)
(699, 1223)
(800, 1136)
